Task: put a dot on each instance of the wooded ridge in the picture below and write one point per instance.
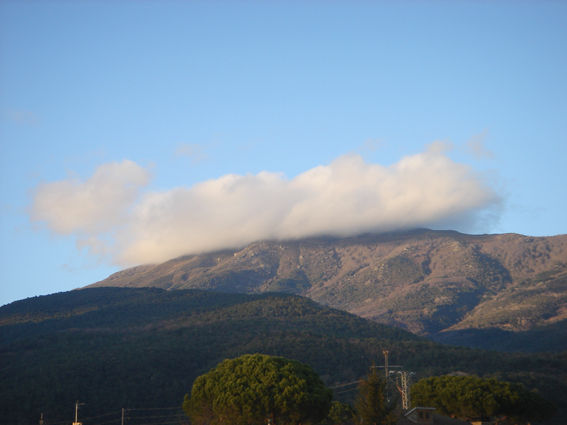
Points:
(478, 290)
(116, 348)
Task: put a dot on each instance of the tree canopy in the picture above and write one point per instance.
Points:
(340, 414)
(253, 388)
(372, 407)
(471, 397)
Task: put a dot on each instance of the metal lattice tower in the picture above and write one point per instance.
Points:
(403, 385)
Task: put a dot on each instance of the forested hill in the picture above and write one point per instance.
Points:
(461, 288)
(154, 309)
(114, 348)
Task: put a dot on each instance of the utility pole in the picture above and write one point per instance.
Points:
(77, 413)
(402, 383)
(122, 421)
(386, 366)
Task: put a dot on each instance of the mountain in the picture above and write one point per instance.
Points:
(141, 349)
(442, 284)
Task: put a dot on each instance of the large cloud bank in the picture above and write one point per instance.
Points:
(112, 214)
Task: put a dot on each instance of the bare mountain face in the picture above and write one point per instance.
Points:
(425, 281)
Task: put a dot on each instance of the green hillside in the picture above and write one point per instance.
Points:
(142, 348)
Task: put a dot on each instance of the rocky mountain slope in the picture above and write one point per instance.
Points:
(429, 282)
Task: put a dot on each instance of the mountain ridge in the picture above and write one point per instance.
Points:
(429, 282)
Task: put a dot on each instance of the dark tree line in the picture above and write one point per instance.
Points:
(474, 398)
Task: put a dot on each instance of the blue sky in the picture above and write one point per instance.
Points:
(131, 131)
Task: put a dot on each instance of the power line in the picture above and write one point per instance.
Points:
(129, 416)
(345, 384)
(154, 417)
(108, 422)
(153, 408)
(90, 418)
(56, 423)
(176, 421)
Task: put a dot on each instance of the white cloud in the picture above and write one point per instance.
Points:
(21, 117)
(476, 147)
(193, 151)
(372, 145)
(347, 197)
(96, 205)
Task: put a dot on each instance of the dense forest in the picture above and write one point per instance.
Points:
(134, 348)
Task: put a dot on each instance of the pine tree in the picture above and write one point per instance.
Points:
(371, 405)
(255, 387)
